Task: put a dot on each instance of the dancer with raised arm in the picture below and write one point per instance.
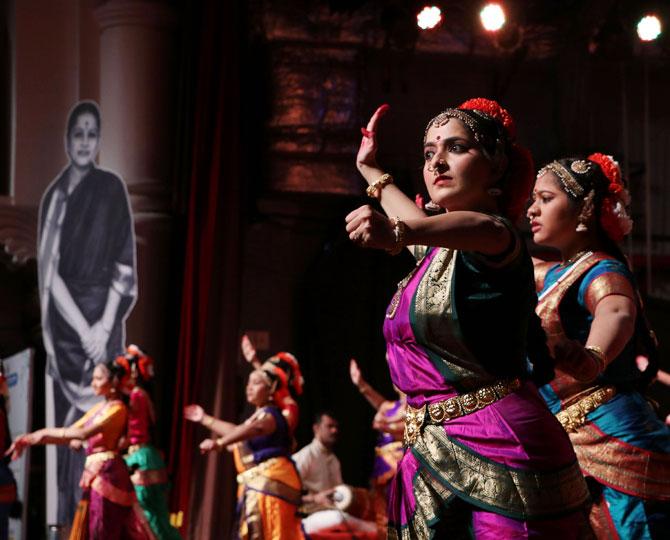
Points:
(269, 491)
(389, 421)
(484, 456)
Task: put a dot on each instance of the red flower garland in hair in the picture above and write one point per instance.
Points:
(521, 170)
(612, 223)
(493, 109)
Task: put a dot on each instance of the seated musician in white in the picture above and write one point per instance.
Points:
(321, 476)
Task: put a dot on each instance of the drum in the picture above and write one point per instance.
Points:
(354, 501)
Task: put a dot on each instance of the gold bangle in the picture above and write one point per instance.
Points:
(598, 355)
(399, 234)
(374, 190)
(208, 421)
(62, 433)
(218, 442)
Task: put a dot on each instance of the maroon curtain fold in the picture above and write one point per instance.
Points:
(208, 338)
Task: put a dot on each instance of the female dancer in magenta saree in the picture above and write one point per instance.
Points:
(484, 456)
(269, 487)
(590, 310)
(144, 460)
(108, 508)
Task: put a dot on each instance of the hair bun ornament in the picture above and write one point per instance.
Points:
(290, 368)
(614, 217)
(610, 169)
(494, 110)
(142, 361)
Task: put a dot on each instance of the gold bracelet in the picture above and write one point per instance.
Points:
(598, 355)
(399, 234)
(218, 443)
(62, 433)
(208, 422)
(374, 190)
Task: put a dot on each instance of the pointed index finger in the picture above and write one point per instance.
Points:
(381, 111)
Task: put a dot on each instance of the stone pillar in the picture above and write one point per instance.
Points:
(137, 96)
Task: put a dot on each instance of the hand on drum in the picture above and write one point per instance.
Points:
(325, 498)
(367, 153)
(369, 228)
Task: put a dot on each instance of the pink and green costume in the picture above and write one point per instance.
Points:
(457, 323)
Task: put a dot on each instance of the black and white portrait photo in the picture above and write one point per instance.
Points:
(87, 284)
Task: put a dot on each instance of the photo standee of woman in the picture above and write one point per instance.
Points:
(590, 309)
(87, 280)
(108, 507)
(484, 456)
(269, 487)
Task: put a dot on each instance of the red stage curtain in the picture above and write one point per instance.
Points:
(203, 487)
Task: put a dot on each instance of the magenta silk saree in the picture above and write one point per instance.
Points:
(507, 470)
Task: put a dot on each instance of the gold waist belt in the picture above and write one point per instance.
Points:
(574, 416)
(248, 475)
(99, 457)
(441, 411)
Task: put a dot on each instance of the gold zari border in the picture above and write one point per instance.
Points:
(641, 472)
(518, 493)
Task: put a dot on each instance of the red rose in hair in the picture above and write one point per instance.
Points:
(610, 169)
(493, 109)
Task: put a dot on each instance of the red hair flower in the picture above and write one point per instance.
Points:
(609, 167)
(493, 109)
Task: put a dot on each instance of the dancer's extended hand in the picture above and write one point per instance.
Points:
(367, 153)
(249, 351)
(369, 228)
(207, 446)
(355, 373)
(194, 413)
(20, 444)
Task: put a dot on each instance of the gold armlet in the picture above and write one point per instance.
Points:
(374, 190)
(598, 355)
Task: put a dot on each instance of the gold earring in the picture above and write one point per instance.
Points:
(581, 227)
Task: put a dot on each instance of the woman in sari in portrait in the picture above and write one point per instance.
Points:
(591, 311)
(269, 487)
(483, 457)
(87, 281)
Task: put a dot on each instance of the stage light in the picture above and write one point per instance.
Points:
(649, 28)
(429, 17)
(492, 17)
